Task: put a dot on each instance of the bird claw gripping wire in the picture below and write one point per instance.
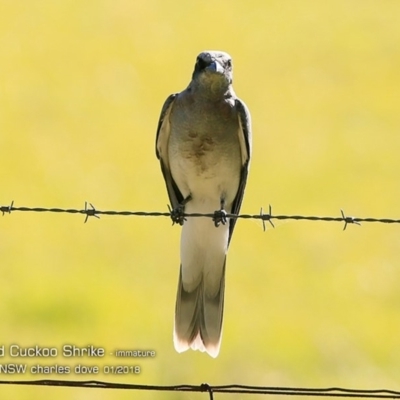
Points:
(7, 209)
(90, 212)
(177, 214)
(348, 220)
(219, 217)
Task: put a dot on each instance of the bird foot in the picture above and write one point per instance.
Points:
(178, 214)
(220, 217)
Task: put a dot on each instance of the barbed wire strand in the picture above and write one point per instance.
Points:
(331, 392)
(205, 387)
(268, 217)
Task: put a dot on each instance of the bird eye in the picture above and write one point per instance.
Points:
(229, 63)
(200, 64)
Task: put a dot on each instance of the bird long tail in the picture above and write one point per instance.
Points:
(198, 317)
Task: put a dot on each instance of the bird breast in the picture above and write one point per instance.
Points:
(204, 143)
(204, 150)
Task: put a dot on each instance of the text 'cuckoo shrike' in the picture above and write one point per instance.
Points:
(204, 146)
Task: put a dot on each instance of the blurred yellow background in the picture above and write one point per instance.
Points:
(81, 88)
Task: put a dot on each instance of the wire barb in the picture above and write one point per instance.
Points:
(267, 217)
(90, 212)
(205, 387)
(7, 209)
(348, 220)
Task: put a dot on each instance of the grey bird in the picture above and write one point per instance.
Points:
(204, 146)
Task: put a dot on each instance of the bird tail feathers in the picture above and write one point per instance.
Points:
(198, 318)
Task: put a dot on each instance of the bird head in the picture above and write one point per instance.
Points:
(214, 69)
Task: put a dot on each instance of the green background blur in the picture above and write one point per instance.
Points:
(81, 88)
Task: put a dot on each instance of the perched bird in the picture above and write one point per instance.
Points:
(204, 146)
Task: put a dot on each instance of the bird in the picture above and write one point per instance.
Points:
(203, 143)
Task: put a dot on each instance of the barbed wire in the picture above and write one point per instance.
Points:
(204, 387)
(91, 211)
(211, 390)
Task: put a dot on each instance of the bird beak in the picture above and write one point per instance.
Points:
(216, 67)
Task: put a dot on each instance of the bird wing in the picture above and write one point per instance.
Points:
(244, 133)
(162, 139)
